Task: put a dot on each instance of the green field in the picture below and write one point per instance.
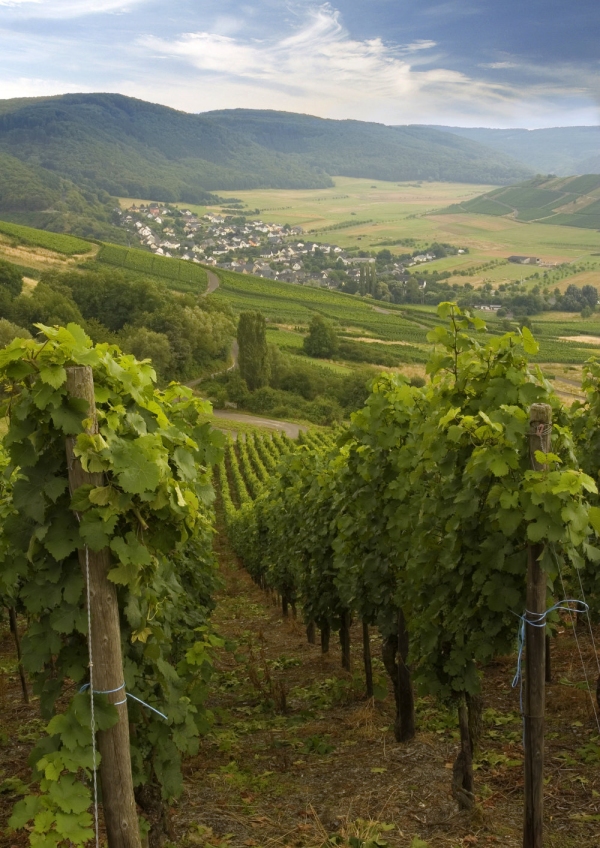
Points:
(67, 245)
(182, 275)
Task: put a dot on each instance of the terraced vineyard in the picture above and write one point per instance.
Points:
(381, 330)
(567, 201)
(183, 276)
(67, 245)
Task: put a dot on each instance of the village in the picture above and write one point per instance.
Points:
(270, 250)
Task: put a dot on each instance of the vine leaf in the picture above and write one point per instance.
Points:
(529, 343)
(136, 470)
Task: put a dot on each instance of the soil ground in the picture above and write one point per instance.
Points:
(299, 758)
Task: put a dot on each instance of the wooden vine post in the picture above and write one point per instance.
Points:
(118, 801)
(540, 439)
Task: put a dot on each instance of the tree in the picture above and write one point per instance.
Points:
(9, 331)
(11, 278)
(253, 354)
(322, 340)
(147, 344)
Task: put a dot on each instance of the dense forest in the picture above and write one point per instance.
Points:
(40, 197)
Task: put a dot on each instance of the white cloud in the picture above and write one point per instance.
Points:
(66, 8)
(32, 87)
(319, 68)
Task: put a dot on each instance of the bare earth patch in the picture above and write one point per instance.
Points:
(370, 340)
(595, 340)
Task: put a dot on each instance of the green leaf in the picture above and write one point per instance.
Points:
(529, 343)
(75, 828)
(136, 470)
(70, 795)
(101, 393)
(594, 515)
(25, 811)
(100, 496)
(54, 375)
(68, 420)
(130, 550)
(185, 464)
(546, 458)
(62, 537)
(498, 466)
(95, 531)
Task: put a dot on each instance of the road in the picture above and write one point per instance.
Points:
(213, 283)
(287, 427)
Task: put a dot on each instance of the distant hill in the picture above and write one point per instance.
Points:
(571, 201)
(557, 150)
(374, 151)
(129, 147)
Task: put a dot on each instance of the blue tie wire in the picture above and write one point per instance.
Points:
(539, 620)
(127, 695)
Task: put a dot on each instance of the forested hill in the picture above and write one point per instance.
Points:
(361, 149)
(40, 197)
(128, 147)
(555, 150)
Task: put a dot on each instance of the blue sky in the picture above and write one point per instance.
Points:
(500, 63)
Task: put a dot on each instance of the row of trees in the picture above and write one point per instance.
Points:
(419, 522)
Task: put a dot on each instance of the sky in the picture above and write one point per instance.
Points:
(492, 63)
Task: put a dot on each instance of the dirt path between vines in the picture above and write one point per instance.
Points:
(297, 755)
(213, 283)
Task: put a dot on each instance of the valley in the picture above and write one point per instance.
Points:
(400, 218)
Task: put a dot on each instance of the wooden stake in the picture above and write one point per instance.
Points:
(118, 801)
(540, 439)
(12, 616)
(345, 638)
(367, 659)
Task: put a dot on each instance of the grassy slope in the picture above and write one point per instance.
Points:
(570, 201)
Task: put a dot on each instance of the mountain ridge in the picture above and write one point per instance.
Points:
(129, 147)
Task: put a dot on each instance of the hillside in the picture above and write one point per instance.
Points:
(571, 201)
(556, 150)
(360, 149)
(123, 146)
(35, 195)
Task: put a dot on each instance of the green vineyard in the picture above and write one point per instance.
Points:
(183, 276)
(403, 543)
(68, 245)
